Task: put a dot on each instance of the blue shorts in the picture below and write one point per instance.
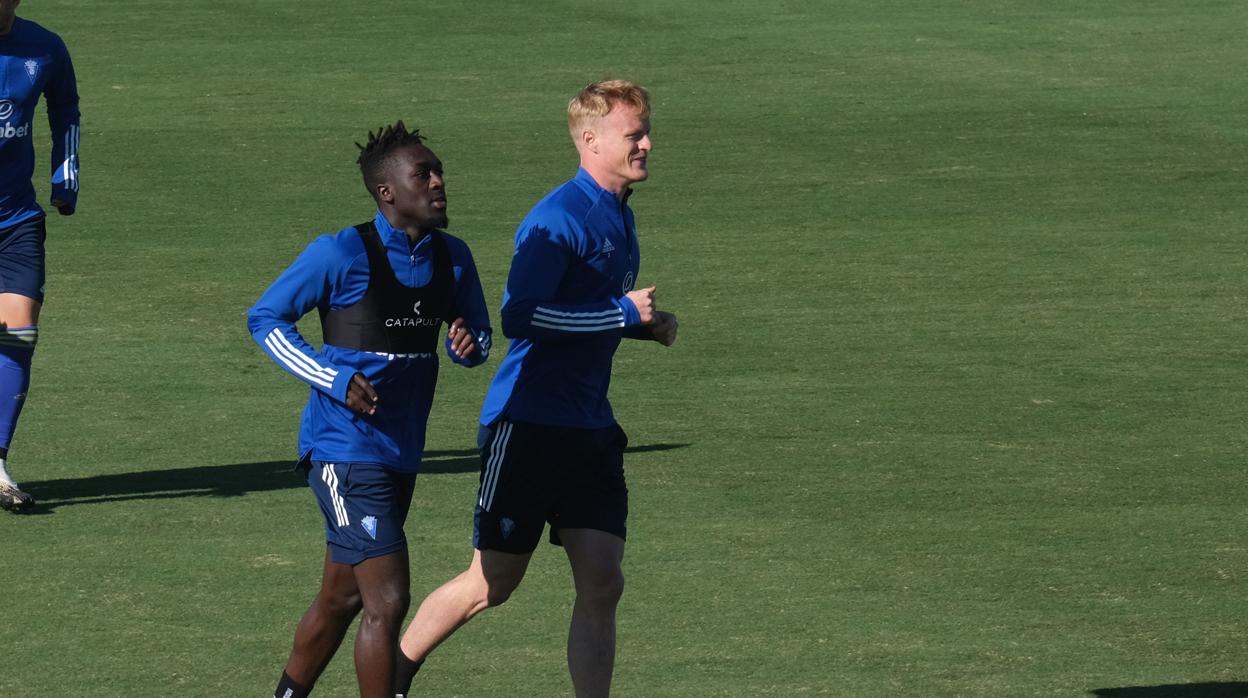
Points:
(21, 258)
(364, 505)
(532, 475)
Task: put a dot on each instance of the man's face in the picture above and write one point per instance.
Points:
(416, 188)
(8, 9)
(623, 140)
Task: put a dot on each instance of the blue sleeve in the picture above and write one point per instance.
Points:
(542, 256)
(64, 122)
(470, 304)
(306, 284)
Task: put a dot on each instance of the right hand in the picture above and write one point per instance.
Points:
(644, 300)
(361, 397)
(463, 343)
(62, 207)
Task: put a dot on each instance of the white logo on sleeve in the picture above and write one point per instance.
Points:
(628, 282)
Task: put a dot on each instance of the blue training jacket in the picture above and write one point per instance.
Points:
(333, 271)
(565, 308)
(34, 61)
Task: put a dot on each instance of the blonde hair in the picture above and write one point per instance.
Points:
(597, 98)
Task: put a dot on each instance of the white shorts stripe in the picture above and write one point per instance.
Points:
(498, 450)
(331, 480)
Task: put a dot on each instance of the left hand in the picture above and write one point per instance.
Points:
(463, 343)
(664, 328)
(62, 207)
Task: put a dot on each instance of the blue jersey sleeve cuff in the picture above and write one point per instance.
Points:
(339, 389)
(632, 318)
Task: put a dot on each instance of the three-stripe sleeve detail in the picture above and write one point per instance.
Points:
(297, 362)
(340, 508)
(69, 168)
(578, 322)
(493, 466)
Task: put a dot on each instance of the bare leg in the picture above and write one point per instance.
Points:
(384, 587)
(324, 624)
(596, 559)
(488, 581)
(17, 310)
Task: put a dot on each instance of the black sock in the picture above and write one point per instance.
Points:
(287, 688)
(404, 671)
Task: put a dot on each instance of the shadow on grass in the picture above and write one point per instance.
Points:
(222, 480)
(1237, 689)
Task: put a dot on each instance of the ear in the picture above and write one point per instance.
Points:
(589, 140)
(384, 193)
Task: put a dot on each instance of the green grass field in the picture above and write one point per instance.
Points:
(957, 407)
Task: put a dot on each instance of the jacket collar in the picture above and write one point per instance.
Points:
(391, 235)
(590, 186)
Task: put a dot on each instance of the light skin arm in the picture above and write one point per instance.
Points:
(644, 301)
(463, 343)
(656, 324)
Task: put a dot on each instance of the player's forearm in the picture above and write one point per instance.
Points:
(545, 321)
(296, 356)
(65, 164)
(484, 339)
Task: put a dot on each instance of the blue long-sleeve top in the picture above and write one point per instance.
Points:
(34, 61)
(565, 308)
(333, 273)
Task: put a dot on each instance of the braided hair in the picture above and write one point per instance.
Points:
(376, 151)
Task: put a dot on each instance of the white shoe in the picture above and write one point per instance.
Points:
(15, 500)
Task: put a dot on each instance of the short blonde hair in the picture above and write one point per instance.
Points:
(597, 99)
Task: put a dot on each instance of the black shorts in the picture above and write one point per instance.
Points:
(532, 475)
(22, 258)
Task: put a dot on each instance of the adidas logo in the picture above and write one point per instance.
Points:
(608, 247)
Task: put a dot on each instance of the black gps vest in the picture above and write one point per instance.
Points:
(393, 318)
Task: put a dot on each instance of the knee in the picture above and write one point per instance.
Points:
(389, 606)
(497, 591)
(339, 604)
(602, 589)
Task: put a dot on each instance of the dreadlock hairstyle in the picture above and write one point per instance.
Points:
(375, 153)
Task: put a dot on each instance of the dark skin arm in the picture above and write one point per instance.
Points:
(361, 397)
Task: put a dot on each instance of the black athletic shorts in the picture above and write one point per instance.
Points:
(22, 258)
(532, 475)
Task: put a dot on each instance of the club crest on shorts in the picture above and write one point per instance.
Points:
(506, 525)
(32, 69)
(370, 526)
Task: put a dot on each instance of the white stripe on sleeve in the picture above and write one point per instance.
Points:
(297, 363)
